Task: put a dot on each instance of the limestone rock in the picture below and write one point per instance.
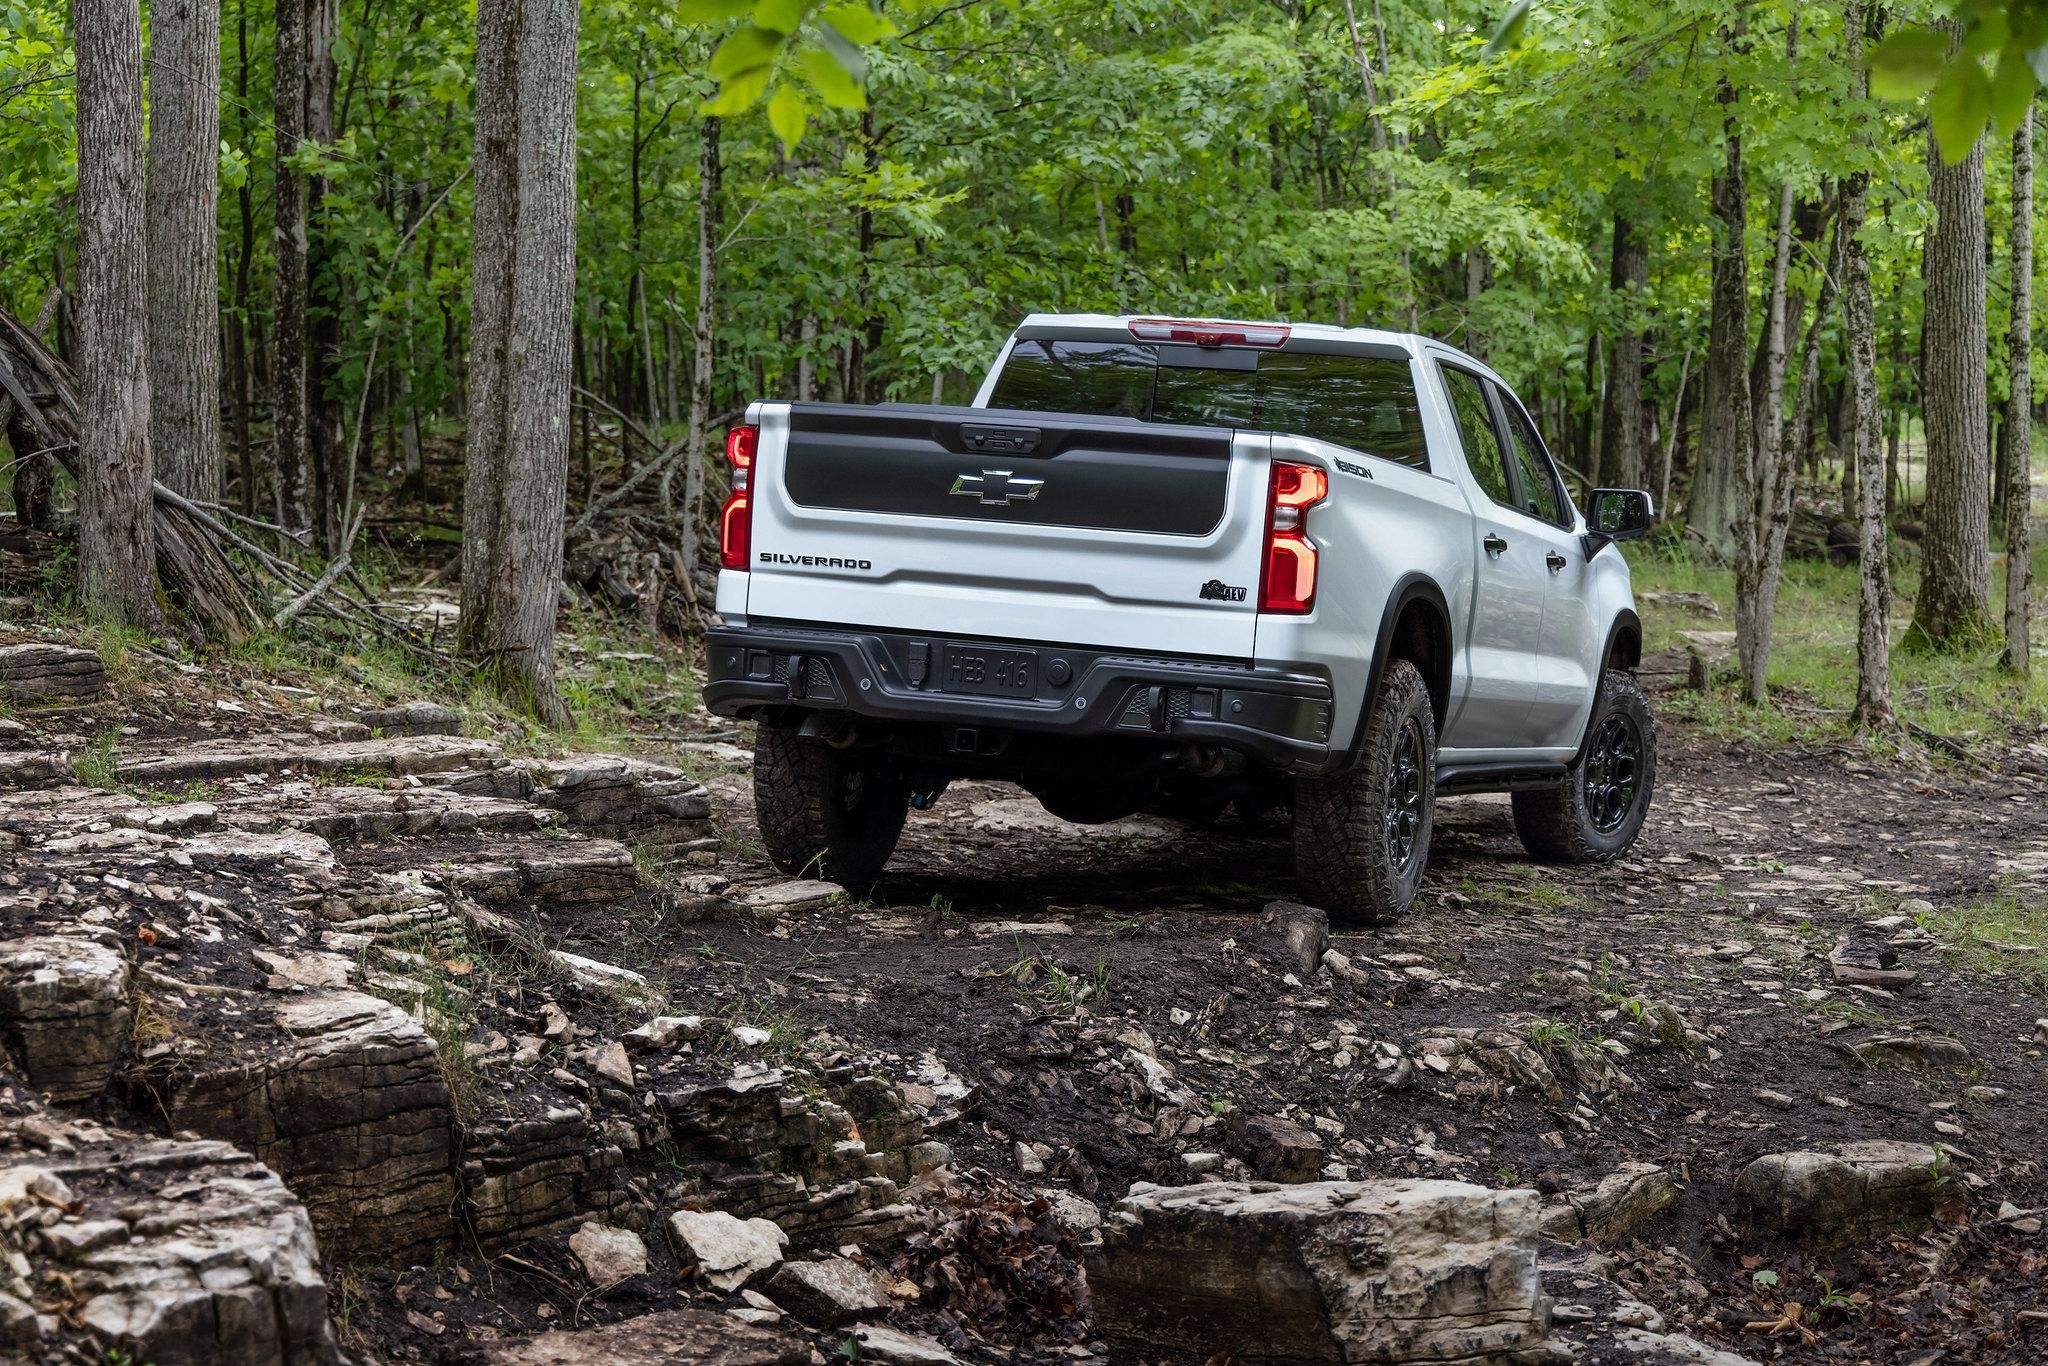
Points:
(727, 1252)
(676, 1337)
(789, 898)
(827, 1293)
(627, 797)
(182, 1254)
(609, 1255)
(1302, 933)
(1859, 1190)
(529, 1176)
(422, 754)
(34, 767)
(1353, 1272)
(893, 1347)
(664, 1032)
(64, 1011)
(44, 672)
(1276, 1149)
(1672, 1349)
(348, 1102)
(1497, 1053)
(413, 718)
(1612, 1211)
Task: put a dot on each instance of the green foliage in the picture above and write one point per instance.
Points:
(97, 763)
(1985, 73)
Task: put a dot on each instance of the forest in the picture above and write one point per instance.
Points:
(1661, 223)
(436, 925)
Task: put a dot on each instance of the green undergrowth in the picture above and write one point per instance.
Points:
(1965, 697)
(2005, 935)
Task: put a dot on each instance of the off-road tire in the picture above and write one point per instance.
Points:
(1584, 819)
(825, 813)
(1348, 840)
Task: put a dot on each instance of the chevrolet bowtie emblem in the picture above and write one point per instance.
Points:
(997, 488)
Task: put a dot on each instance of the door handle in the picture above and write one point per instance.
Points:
(1555, 561)
(1494, 544)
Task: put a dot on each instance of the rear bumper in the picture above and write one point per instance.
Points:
(1279, 717)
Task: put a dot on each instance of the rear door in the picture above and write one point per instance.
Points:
(1509, 586)
(1010, 525)
(1566, 667)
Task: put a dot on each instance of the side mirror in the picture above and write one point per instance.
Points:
(1618, 515)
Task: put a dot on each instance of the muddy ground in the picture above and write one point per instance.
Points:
(1015, 953)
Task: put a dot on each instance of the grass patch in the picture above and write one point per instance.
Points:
(2007, 935)
(1812, 677)
(96, 764)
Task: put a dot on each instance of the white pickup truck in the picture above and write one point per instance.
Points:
(1179, 566)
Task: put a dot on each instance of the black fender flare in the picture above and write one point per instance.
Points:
(1626, 624)
(1410, 589)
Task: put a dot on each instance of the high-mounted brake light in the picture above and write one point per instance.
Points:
(1287, 581)
(1198, 333)
(736, 520)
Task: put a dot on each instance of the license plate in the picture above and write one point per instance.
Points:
(996, 673)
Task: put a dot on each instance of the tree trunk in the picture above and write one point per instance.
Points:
(326, 442)
(1873, 641)
(494, 219)
(240, 357)
(521, 590)
(288, 414)
(116, 547)
(705, 339)
(1621, 448)
(1712, 511)
(1953, 609)
(1782, 470)
(2019, 490)
(184, 297)
(1756, 591)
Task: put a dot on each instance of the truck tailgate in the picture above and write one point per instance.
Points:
(1009, 525)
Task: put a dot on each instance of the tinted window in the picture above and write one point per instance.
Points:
(1363, 402)
(1540, 494)
(1475, 430)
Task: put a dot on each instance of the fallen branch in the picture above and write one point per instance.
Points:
(304, 600)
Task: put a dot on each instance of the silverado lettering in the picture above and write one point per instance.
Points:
(814, 561)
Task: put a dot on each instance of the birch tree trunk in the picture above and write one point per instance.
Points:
(1621, 445)
(1753, 597)
(184, 298)
(2019, 489)
(288, 414)
(116, 546)
(1953, 609)
(533, 230)
(1859, 326)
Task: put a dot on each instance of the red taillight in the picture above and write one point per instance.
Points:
(1198, 333)
(1287, 583)
(736, 521)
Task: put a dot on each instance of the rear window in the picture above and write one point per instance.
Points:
(1366, 403)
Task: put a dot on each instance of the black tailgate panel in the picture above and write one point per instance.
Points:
(1012, 467)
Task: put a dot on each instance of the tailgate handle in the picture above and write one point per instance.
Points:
(1001, 440)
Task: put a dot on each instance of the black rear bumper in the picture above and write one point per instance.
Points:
(1278, 717)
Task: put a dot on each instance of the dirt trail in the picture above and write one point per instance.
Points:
(1022, 953)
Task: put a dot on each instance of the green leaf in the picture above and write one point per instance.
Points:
(2012, 91)
(787, 114)
(1960, 108)
(744, 50)
(1906, 64)
(1508, 34)
(835, 85)
(781, 16)
(858, 23)
(1988, 34)
(737, 95)
(711, 11)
